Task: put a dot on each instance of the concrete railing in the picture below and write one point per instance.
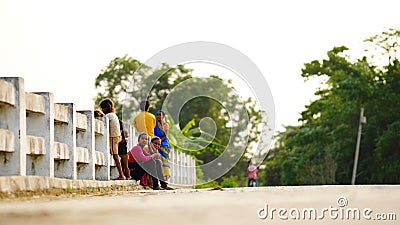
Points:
(183, 168)
(42, 138)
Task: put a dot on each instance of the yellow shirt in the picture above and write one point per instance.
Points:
(145, 122)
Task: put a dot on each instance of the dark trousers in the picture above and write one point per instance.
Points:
(152, 167)
(250, 180)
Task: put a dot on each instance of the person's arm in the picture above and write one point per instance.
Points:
(137, 153)
(165, 128)
(134, 123)
(152, 149)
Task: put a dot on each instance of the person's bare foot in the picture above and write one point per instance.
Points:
(168, 188)
(120, 178)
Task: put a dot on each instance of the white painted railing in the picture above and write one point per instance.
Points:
(42, 138)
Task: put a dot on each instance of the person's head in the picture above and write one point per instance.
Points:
(107, 106)
(156, 141)
(143, 139)
(144, 105)
(126, 132)
(98, 113)
(160, 115)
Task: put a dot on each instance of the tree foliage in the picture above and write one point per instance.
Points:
(115, 79)
(128, 81)
(321, 150)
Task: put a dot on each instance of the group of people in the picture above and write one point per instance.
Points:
(150, 157)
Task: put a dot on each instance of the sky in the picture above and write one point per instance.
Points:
(61, 46)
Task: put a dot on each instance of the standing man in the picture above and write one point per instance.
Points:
(145, 121)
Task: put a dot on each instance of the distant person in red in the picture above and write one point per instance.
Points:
(252, 173)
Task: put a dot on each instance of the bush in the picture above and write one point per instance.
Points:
(229, 182)
(210, 184)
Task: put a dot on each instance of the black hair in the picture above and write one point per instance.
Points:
(140, 135)
(154, 139)
(144, 105)
(107, 105)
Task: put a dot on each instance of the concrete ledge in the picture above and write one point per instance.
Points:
(10, 184)
(6, 140)
(98, 127)
(35, 145)
(61, 113)
(99, 159)
(82, 155)
(7, 93)
(61, 150)
(34, 103)
(81, 121)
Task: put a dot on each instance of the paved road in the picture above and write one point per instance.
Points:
(242, 206)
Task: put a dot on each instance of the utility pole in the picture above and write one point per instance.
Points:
(362, 120)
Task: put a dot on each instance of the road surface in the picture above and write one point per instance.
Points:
(244, 206)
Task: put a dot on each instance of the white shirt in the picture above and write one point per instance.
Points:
(114, 124)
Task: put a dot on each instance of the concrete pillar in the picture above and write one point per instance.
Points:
(188, 170)
(85, 142)
(173, 166)
(40, 134)
(179, 167)
(131, 136)
(102, 164)
(194, 177)
(113, 168)
(184, 169)
(12, 126)
(181, 171)
(65, 141)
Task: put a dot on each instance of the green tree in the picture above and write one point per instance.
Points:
(127, 81)
(115, 80)
(321, 149)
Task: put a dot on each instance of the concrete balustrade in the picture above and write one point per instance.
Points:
(183, 168)
(192, 171)
(6, 140)
(85, 143)
(40, 134)
(7, 95)
(42, 138)
(13, 126)
(172, 179)
(35, 147)
(61, 151)
(131, 138)
(102, 165)
(65, 165)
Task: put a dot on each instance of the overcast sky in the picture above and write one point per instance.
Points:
(61, 46)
